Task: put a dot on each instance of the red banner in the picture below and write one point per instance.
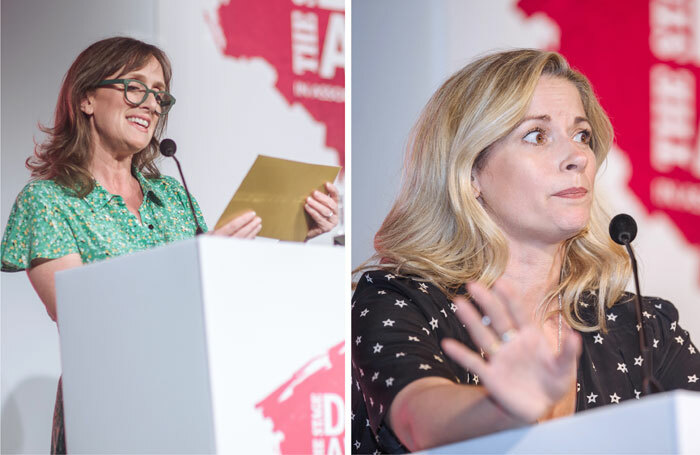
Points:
(308, 409)
(304, 40)
(643, 58)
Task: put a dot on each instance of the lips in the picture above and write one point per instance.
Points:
(572, 193)
(139, 121)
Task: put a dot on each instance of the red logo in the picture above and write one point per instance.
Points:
(305, 41)
(643, 59)
(308, 409)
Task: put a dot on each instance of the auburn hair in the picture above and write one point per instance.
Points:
(65, 154)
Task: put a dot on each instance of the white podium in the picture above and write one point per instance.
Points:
(169, 350)
(659, 424)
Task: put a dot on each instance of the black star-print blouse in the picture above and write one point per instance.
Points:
(398, 323)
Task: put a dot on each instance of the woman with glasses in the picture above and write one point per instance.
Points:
(96, 191)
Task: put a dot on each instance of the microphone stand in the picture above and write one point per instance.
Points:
(167, 148)
(649, 383)
(199, 230)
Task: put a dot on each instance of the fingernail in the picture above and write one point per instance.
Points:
(308, 199)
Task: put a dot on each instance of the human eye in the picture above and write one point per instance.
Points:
(583, 137)
(535, 136)
(135, 86)
(164, 98)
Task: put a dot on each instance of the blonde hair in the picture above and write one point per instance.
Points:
(438, 231)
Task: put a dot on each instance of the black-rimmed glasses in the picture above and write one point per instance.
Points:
(136, 93)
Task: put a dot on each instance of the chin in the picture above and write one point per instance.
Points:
(138, 146)
(575, 218)
(572, 228)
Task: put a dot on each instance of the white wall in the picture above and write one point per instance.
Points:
(398, 59)
(40, 39)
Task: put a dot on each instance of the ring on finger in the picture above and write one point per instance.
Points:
(486, 321)
(330, 214)
(509, 335)
(493, 348)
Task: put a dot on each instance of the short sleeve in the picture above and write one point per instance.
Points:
(397, 325)
(37, 228)
(676, 358)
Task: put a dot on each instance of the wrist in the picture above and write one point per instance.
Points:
(519, 417)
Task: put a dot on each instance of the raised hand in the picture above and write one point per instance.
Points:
(323, 210)
(523, 373)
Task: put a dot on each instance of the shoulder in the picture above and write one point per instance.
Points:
(383, 279)
(656, 309)
(623, 312)
(42, 193)
(43, 189)
(377, 285)
(652, 305)
(664, 312)
(660, 306)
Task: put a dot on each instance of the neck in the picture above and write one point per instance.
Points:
(113, 172)
(534, 270)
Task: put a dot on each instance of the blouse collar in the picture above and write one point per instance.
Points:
(99, 196)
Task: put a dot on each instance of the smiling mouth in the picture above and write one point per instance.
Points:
(572, 193)
(139, 121)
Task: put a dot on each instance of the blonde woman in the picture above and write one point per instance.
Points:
(498, 193)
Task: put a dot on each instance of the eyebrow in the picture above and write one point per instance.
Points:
(547, 118)
(158, 84)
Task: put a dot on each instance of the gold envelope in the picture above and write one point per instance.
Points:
(276, 190)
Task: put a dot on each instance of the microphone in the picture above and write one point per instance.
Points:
(623, 229)
(167, 148)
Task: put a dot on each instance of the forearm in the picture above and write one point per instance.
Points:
(41, 276)
(435, 411)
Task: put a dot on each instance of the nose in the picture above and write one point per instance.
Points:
(151, 103)
(576, 158)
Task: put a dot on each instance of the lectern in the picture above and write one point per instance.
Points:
(170, 350)
(663, 423)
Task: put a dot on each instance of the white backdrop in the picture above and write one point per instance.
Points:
(402, 51)
(228, 110)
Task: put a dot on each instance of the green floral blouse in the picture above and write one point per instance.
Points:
(49, 221)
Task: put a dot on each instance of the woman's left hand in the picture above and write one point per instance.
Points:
(323, 210)
(522, 372)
